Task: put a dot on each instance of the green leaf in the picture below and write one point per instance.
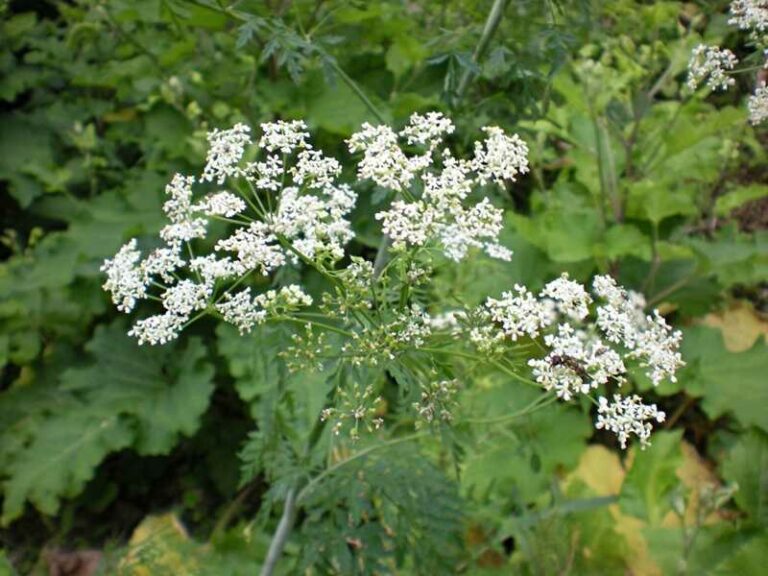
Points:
(252, 358)
(23, 144)
(747, 465)
(654, 201)
(128, 397)
(165, 393)
(404, 53)
(751, 558)
(567, 230)
(63, 456)
(336, 108)
(626, 240)
(739, 195)
(728, 382)
(733, 257)
(519, 458)
(649, 483)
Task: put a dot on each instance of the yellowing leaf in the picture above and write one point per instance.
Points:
(741, 326)
(601, 470)
(157, 546)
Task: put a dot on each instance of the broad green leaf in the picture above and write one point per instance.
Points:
(626, 240)
(164, 393)
(747, 465)
(649, 483)
(127, 397)
(733, 257)
(728, 382)
(336, 108)
(654, 201)
(404, 53)
(518, 458)
(252, 359)
(23, 144)
(63, 456)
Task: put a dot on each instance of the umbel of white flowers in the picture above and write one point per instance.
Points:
(288, 206)
(285, 207)
(713, 66)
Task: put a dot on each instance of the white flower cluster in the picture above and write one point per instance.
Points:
(714, 63)
(312, 218)
(225, 149)
(589, 339)
(751, 15)
(711, 63)
(440, 214)
(626, 416)
(519, 313)
(245, 312)
(758, 105)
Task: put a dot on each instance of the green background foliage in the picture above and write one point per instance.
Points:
(101, 101)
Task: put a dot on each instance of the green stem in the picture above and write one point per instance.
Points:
(356, 89)
(322, 325)
(491, 25)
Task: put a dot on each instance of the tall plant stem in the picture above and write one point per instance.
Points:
(281, 534)
(491, 24)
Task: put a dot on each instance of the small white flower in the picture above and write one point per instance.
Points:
(407, 223)
(749, 15)
(178, 207)
(241, 310)
(256, 248)
(184, 231)
(711, 63)
(283, 136)
(427, 130)
(570, 297)
(158, 329)
(383, 160)
(185, 297)
(288, 298)
(221, 204)
(627, 416)
(758, 105)
(520, 313)
(265, 175)
(125, 279)
(317, 170)
(500, 157)
(316, 224)
(212, 268)
(225, 150)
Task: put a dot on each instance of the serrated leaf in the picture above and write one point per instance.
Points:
(127, 397)
(163, 391)
(62, 457)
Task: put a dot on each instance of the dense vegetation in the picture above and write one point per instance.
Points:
(178, 459)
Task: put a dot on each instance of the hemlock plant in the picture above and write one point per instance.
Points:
(280, 205)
